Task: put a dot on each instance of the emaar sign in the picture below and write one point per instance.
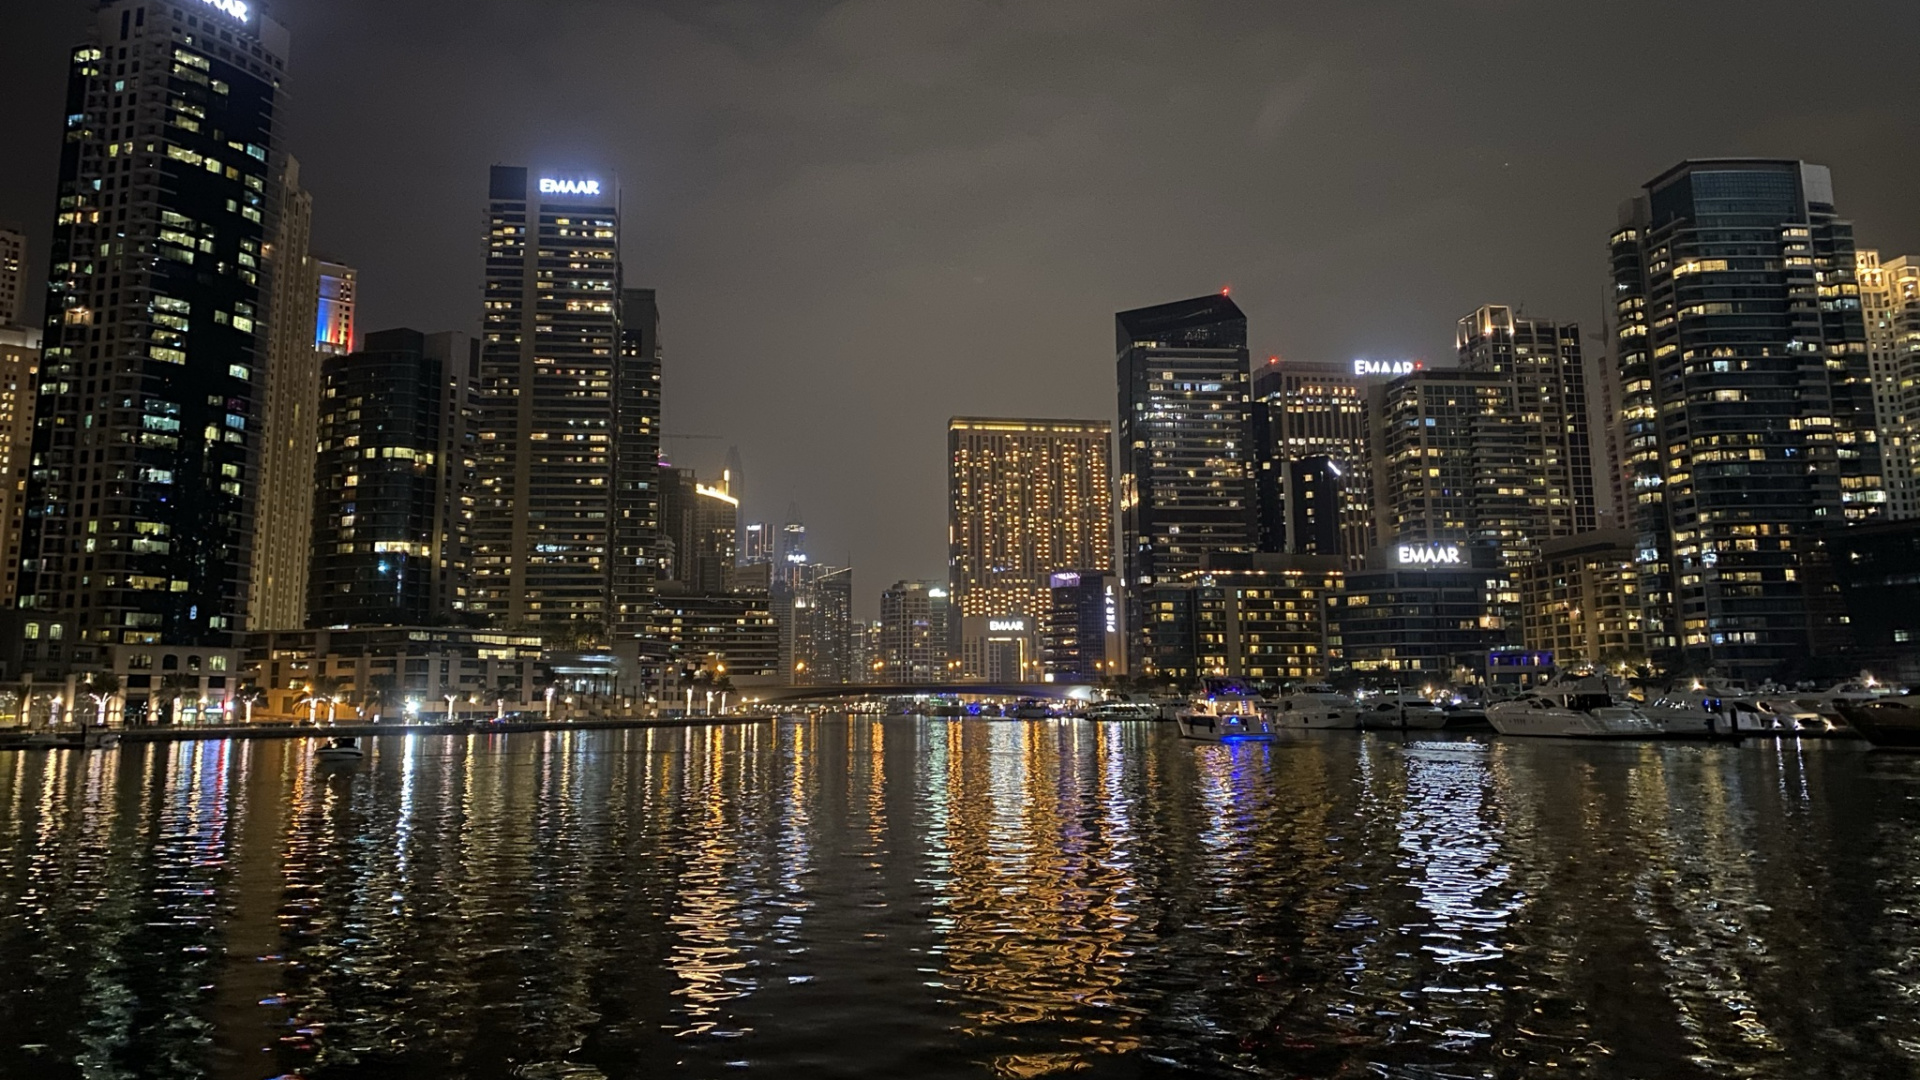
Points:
(1364, 368)
(1006, 626)
(1428, 555)
(550, 186)
(236, 8)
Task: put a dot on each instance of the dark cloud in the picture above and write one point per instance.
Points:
(864, 217)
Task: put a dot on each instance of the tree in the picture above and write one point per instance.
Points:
(249, 696)
(380, 694)
(175, 686)
(322, 690)
(102, 687)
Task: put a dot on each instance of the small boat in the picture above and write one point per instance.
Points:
(1580, 708)
(343, 748)
(99, 738)
(1225, 711)
(1889, 723)
(946, 708)
(1394, 712)
(1316, 705)
(1032, 709)
(1700, 709)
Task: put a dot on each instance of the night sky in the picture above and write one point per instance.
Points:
(864, 217)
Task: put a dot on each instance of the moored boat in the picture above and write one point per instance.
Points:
(1316, 705)
(1123, 710)
(1394, 711)
(1890, 723)
(1225, 711)
(1574, 709)
(342, 749)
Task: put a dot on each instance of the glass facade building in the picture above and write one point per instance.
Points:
(1302, 411)
(144, 479)
(636, 448)
(394, 482)
(1187, 457)
(1746, 403)
(549, 356)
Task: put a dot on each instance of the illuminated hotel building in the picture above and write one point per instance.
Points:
(13, 274)
(549, 362)
(19, 368)
(283, 524)
(1316, 411)
(394, 483)
(1746, 399)
(1025, 498)
(1451, 462)
(1890, 299)
(1187, 460)
(1545, 363)
(145, 475)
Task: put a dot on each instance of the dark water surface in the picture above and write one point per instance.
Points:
(908, 899)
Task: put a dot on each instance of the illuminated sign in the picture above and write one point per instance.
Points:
(1428, 555)
(1006, 626)
(549, 186)
(1067, 580)
(1113, 612)
(1387, 367)
(236, 8)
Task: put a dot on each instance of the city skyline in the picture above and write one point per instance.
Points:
(1467, 209)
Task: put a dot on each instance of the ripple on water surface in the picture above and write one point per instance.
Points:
(888, 898)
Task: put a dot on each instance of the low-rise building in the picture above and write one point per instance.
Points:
(396, 671)
(1580, 600)
(1428, 609)
(1264, 616)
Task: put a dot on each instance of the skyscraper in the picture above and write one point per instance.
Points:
(283, 525)
(818, 647)
(147, 439)
(698, 527)
(1544, 361)
(339, 298)
(1025, 498)
(543, 530)
(13, 274)
(394, 482)
(1890, 298)
(1746, 402)
(913, 634)
(1308, 410)
(636, 532)
(1186, 454)
(19, 368)
(1452, 463)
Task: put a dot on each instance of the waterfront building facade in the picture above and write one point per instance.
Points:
(393, 489)
(1580, 599)
(1025, 498)
(550, 350)
(1547, 367)
(1876, 567)
(402, 672)
(1890, 303)
(1316, 412)
(1419, 612)
(914, 621)
(817, 636)
(1187, 459)
(1081, 638)
(1746, 399)
(636, 449)
(733, 631)
(1264, 616)
(283, 525)
(146, 451)
(19, 373)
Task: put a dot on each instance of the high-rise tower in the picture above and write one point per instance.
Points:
(1186, 457)
(1746, 402)
(550, 345)
(283, 525)
(636, 465)
(1543, 360)
(13, 275)
(147, 443)
(1303, 411)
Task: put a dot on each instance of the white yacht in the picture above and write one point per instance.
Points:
(1393, 711)
(1814, 712)
(1225, 711)
(1575, 708)
(1316, 705)
(1700, 709)
(1123, 710)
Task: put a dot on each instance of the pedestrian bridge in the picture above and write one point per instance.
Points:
(1052, 691)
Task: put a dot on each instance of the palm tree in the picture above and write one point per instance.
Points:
(503, 689)
(249, 696)
(380, 693)
(102, 687)
(174, 686)
(322, 690)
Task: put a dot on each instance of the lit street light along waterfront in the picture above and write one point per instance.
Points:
(930, 898)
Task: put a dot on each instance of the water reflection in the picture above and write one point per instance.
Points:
(939, 898)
